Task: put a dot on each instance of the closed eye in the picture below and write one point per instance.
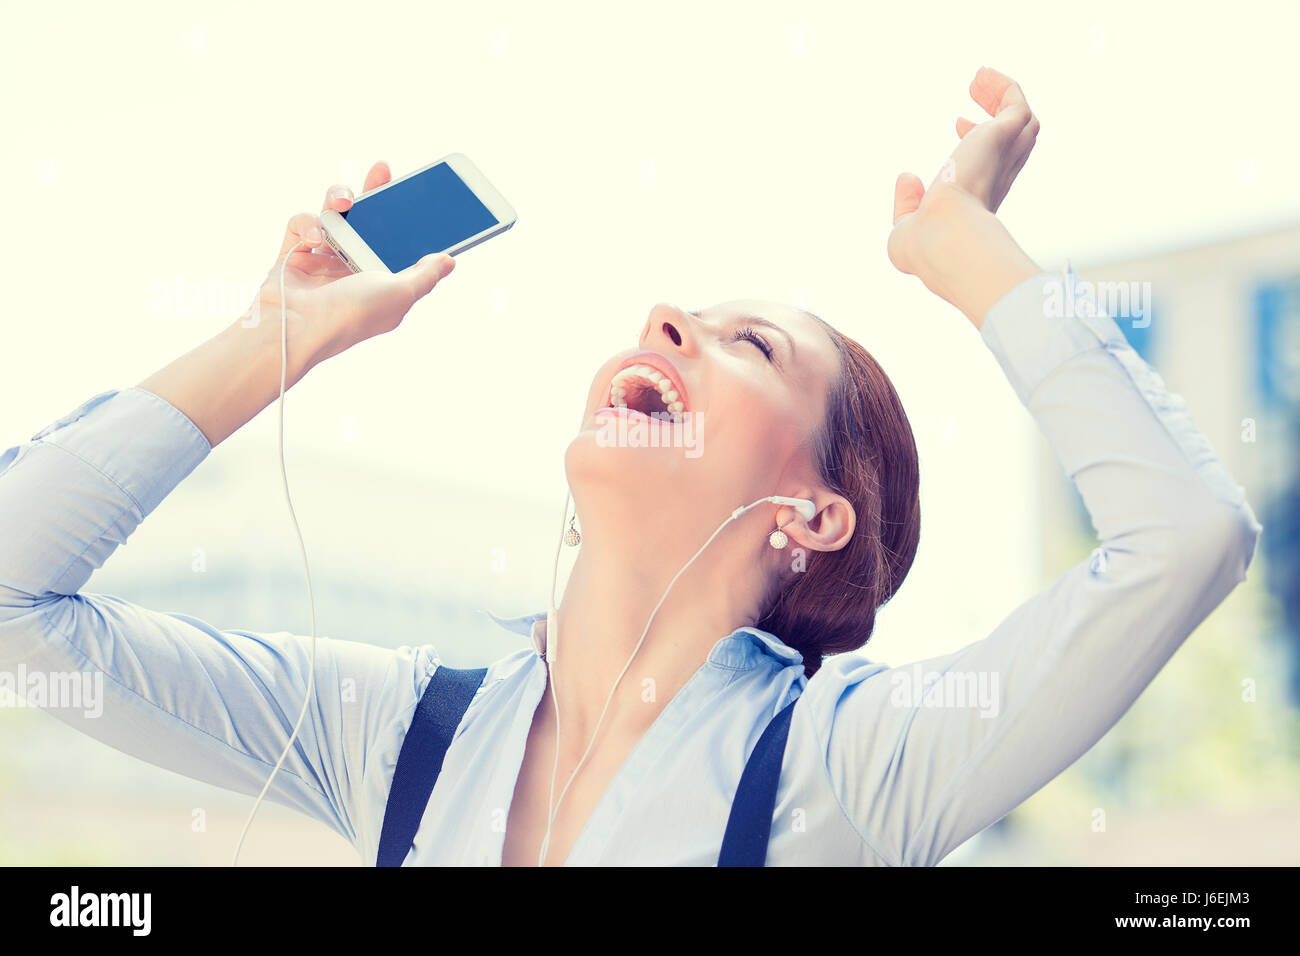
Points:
(747, 334)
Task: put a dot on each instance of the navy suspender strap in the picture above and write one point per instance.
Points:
(437, 715)
(745, 841)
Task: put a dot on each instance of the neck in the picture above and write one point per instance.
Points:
(620, 576)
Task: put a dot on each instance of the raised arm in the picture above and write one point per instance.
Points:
(926, 755)
(175, 691)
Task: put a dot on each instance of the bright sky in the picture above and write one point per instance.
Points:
(683, 151)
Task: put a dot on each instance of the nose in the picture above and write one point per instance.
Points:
(669, 329)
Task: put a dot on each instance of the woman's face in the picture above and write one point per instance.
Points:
(710, 410)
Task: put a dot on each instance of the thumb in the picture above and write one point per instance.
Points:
(908, 191)
(427, 273)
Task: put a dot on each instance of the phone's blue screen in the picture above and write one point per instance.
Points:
(427, 213)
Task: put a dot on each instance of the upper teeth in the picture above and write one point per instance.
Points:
(618, 387)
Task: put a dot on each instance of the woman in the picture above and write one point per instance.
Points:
(646, 767)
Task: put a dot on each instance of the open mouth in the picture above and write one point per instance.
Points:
(644, 389)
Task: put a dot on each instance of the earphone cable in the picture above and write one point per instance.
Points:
(311, 603)
(555, 807)
(552, 644)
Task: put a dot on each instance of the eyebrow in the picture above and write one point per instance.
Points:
(759, 320)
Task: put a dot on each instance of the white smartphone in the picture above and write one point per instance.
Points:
(447, 206)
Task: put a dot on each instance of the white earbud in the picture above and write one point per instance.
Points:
(805, 507)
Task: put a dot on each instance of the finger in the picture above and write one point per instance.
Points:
(316, 262)
(1018, 155)
(997, 94)
(1024, 144)
(304, 227)
(1022, 147)
(964, 126)
(338, 197)
(378, 176)
(427, 273)
(908, 192)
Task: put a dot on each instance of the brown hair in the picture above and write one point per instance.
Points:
(864, 451)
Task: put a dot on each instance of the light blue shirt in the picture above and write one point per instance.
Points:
(884, 765)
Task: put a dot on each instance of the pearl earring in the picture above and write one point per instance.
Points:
(778, 538)
(572, 537)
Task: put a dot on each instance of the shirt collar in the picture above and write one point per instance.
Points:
(532, 626)
(739, 650)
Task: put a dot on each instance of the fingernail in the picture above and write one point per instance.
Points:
(313, 234)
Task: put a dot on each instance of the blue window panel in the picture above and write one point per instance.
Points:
(1142, 338)
(1276, 307)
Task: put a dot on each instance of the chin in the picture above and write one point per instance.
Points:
(648, 459)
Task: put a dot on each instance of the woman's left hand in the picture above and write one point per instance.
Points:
(948, 235)
(991, 154)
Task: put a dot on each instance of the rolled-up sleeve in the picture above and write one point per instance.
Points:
(212, 704)
(918, 772)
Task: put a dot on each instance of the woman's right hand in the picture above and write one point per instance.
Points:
(230, 378)
(324, 300)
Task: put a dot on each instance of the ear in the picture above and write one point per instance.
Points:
(831, 527)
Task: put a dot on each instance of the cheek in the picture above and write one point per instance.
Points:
(755, 424)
